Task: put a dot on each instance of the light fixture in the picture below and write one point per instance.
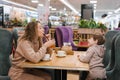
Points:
(50, 7)
(117, 10)
(69, 6)
(95, 5)
(94, 11)
(54, 9)
(34, 1)
(93, 1)
(40, 5)
(20, 5)
(110, 13)
(64, 9)
(4, 0)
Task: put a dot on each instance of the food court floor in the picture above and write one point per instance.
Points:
(72, 75)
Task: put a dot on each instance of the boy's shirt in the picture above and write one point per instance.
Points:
(93, 56)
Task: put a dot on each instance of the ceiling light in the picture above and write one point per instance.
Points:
(95, 5)
(117, 10)
(53, 9)
(4, 0)
(34, 1)
(93, 2)
(20, 5)
(69, 6)
(50, 7)
(40, 5)
(110, 13)
(64, 9)
(94, 11)
(79, 14)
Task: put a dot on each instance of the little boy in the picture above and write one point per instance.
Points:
(94, 56)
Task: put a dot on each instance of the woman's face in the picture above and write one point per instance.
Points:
(91, 41)
(40, 30)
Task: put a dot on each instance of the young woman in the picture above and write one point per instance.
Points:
(94, 57)
(30, 48)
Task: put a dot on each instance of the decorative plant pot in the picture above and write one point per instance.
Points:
(88, 30)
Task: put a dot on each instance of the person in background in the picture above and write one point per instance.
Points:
(30, 48)
(63, 23)
(94, 56)
(118, 26)
(104, 20)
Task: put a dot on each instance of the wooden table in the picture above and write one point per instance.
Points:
(61, 65)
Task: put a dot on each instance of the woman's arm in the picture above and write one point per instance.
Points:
(30, 54)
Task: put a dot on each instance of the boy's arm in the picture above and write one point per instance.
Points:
(87, 56)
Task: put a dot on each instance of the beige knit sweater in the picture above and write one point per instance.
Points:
(30, 51)
(94, 56)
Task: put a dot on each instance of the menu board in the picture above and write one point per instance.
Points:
(87, 11)
(87, 14)
(1, 16)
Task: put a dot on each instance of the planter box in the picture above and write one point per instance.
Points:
(85, 33)
(88, 31)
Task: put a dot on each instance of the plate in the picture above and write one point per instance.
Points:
(61, 56)
(47, 59)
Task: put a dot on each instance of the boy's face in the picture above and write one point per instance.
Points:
(91, 41)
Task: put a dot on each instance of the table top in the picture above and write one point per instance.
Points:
(69, 62)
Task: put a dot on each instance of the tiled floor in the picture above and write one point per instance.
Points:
(73, 75)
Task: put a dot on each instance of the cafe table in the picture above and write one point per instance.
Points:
(60, 64)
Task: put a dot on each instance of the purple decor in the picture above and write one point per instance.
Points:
(70, 31)
(64, 34)
(58, 37)
(117, 28)
(46, 29)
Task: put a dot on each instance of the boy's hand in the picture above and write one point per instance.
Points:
(78, 56)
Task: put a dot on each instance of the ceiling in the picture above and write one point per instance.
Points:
(103, 6)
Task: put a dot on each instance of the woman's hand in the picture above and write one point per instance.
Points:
(50, 43)
(48, 36)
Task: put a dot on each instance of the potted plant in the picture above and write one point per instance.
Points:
(102, 27)
(16, 22)
(25, 22)
(83, 23)
(88, 27)
(91, 24)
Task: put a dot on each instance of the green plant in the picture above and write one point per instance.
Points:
(102, 26)
(33, 19)
(25, 22)
(16, 22)
(83, 23)
(91, 24)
